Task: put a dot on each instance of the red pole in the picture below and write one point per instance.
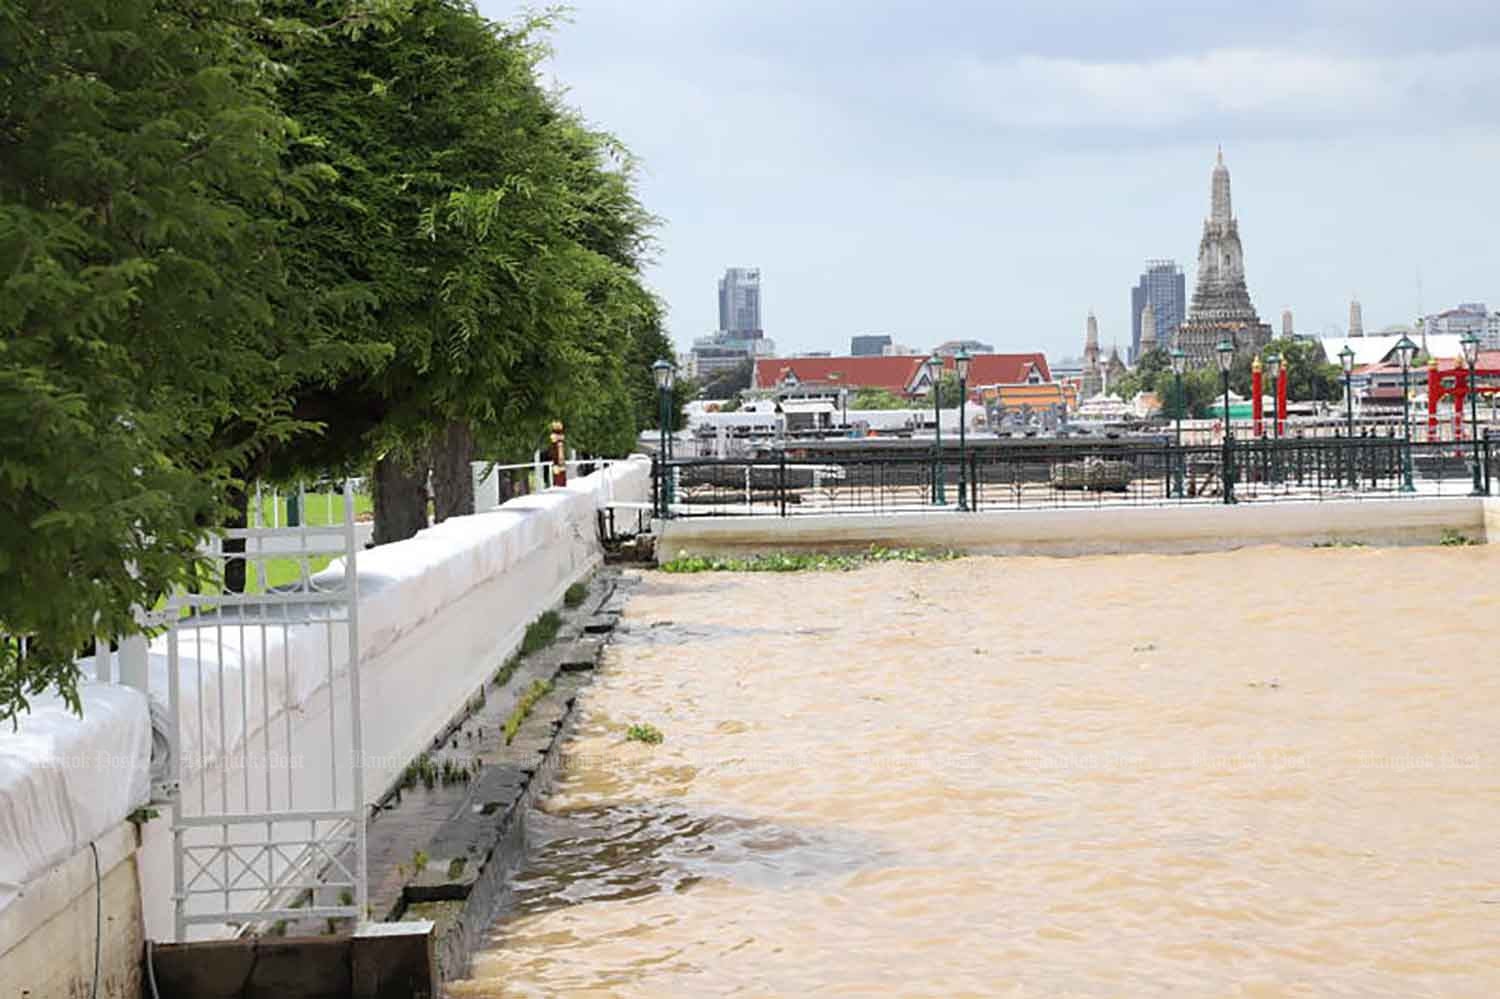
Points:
(559, 455)
(1460, 397)
(1255, 395)
(1434, 392)
(1281, 397)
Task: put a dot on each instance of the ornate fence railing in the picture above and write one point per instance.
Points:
(1046, 474)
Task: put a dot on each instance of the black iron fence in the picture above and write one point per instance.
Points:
(1045, 474)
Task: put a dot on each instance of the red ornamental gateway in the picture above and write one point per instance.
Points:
(1451, 377)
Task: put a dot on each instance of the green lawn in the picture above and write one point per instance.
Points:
(318, 508)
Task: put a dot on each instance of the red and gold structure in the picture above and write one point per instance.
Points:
(1451, 378)
(1257, 379)
(559, 454)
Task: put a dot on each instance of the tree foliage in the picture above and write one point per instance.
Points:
(262, 238)
(877, 398)
(145, 306)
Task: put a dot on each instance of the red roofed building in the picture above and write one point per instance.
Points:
(905, 376)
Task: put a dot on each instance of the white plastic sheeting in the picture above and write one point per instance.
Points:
(48, 811)
(66, 780)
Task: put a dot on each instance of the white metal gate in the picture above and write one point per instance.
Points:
(268, 819)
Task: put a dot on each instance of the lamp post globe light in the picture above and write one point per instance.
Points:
(665, 375)
(961, 365)
(1179, 364)
(1470, 344)
(1406, 349)
(1225, 354)
(935, 369)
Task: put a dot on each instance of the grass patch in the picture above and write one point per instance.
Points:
(805, 561)
(1456, 539)
(505, 672)
(540, 633)
(644, 732)
(577, 594)
(534, 693)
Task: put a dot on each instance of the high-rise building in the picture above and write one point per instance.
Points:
(869, 344)
(1356, 318)
(739, 300)
(1221, 308)
(1287, 329)
(1164, 288)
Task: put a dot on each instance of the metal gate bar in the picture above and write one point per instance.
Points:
(238, 863)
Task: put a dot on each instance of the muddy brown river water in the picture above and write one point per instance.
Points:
(1260, 773)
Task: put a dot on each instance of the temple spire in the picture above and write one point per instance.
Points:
(1220, 211)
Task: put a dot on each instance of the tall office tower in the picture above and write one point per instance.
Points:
(1164, 288)
(739, 300)
(1286, 323)
(1356, 318)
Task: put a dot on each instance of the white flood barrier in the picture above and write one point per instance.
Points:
(438, 613)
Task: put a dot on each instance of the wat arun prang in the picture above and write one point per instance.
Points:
(1221, 308)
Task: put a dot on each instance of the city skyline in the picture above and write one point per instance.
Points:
(963, 171)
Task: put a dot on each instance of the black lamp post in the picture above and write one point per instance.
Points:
(844, 405)
(1226, 361)
(1470, 344)
(1273, 370)
(961, 365)
(664, 376)
(934, 369)
(1179, 364)
(1407, 350)
(1346, 361)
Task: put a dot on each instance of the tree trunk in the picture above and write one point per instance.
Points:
(452, 480)
(235, 568)
(400, 498)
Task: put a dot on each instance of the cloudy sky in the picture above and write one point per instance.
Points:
(993, 170)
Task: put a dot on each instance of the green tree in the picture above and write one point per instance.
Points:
(499, 241)
(947, 387)
(146, 309)
(728, 383)
(877, 398)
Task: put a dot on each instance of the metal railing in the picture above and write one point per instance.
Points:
(264, 724)
(1061, 474)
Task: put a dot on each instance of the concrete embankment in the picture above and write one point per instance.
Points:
(1163, 529)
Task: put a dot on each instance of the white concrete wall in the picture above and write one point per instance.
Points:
(422, 658)
(1208, 527)
(47, 935)
(1492, 519)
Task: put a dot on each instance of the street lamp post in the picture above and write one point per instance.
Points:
(1470, 344)
(961, 365)
(1179, 362)
(1346, 361)
(1273, 368)
(844, 405)
(663, 371)
(1226, 361)
(934, 369)
(1408, 350)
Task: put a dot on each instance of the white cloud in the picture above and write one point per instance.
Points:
(1234, 84)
